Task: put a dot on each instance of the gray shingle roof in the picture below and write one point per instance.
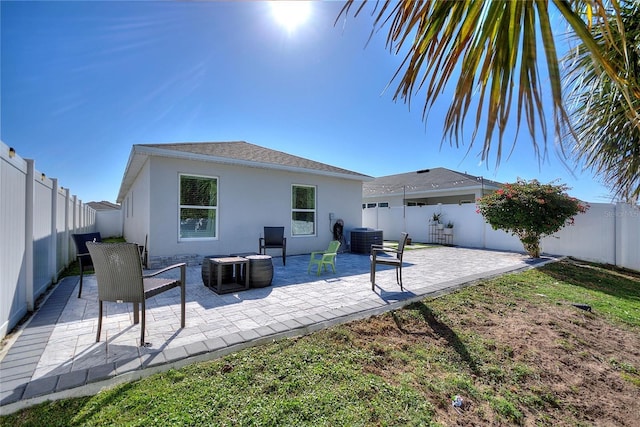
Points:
(244, 151)
(235, 153)
(424, 181)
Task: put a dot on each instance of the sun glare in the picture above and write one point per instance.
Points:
(291, 14)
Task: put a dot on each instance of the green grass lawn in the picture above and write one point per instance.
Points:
(498, 345)
(412, 246)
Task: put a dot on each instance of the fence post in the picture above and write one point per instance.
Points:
(30, 184)
(74, 214)
(66, 244)
(53, 242)
(627, 225)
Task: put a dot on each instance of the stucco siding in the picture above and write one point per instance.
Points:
(248, 199)
(136, 208)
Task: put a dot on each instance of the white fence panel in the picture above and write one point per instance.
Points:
(35, 224)
(13, 278)
(62, 230)
(628, 245)
(417, 222)
(42, 236)
(500, 240)
(109, 223)
(606, 233)
(393, 220)
(77, 225)
(591, 238)
(70, 221)
(370, 218)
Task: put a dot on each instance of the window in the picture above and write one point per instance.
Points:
(303, 210)
(371, 205)
(198, 207)
(383, 204)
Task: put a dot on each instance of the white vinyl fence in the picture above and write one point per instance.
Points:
(37, 218)
(109, 223)
(606, 233)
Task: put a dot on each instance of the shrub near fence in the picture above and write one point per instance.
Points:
(37, 218)
(606, 233)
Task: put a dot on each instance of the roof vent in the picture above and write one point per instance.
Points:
(423, 171)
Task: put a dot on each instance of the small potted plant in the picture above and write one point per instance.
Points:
(449, 228)
(435, 219)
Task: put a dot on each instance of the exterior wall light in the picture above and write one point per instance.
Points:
(12, 152)
(42, 176)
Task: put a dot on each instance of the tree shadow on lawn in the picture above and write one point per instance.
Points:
(441, 330)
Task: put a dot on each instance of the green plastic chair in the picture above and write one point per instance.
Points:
(324, 258)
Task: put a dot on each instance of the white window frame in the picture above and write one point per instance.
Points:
(214, 208)
(314, 211)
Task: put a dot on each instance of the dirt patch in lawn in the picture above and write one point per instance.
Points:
(525, 363)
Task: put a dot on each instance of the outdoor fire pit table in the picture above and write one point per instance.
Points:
(237, 263)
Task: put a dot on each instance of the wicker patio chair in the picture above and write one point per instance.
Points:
(119, 273)
(82, 254)
(325, 258)
(395, 261)
(273, 239)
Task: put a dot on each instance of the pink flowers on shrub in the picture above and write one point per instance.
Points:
(530, 210)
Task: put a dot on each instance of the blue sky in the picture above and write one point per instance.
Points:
(81, 82)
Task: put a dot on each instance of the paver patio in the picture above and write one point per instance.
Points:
(55, 354)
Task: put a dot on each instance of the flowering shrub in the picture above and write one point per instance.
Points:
(530, 211)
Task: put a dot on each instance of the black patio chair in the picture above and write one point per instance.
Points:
(273, 239)
(82, 254)
(395, 261)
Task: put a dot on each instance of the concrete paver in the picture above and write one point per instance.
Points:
(55, 354)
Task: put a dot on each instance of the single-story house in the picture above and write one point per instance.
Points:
(425, 187)
(189, 200)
